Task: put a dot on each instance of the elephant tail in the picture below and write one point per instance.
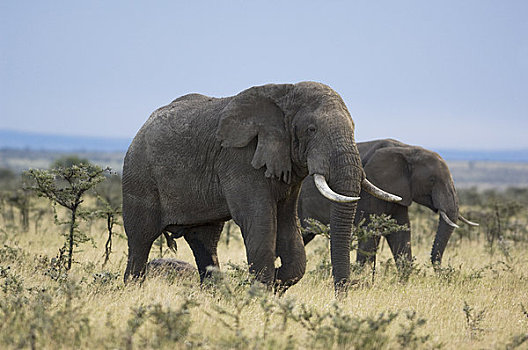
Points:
(171, 241)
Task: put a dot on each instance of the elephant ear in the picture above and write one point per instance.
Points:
(255, 113)
(389, 169)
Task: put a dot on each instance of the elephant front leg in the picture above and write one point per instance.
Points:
(203, 241)
(367, 246)
(400, 241)
(290, 246)
(254, 210)
(367, 249)
(259, 239)
(258, 225)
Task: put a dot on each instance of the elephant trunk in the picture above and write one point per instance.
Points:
(446, 202)
(442, 237)
(345, 179)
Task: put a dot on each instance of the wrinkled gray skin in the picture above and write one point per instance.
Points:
(411, 172)
(200, 161)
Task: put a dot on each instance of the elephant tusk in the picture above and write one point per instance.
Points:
(460, 217)
(322, 186)
(447, 220)
(379, 193)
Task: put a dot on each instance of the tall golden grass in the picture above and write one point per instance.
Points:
(477, 300)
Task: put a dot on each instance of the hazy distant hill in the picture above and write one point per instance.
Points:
(19, 160)
(515, 156)
(20, 151)
(45, 142)
(35, 141)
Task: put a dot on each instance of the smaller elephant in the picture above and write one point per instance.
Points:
(413, 173)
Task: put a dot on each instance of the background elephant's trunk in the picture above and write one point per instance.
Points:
(345, 179)
(444, 199)
(442, 237)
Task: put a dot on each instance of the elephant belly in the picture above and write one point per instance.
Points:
(197, 200)
(184, 213)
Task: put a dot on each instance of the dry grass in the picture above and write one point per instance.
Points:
(475, 301)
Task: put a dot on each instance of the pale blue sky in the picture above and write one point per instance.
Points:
(442, 74)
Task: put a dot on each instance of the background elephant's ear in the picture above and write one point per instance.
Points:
(253, 113)
(389, 170)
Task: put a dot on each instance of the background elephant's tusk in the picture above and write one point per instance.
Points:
(460, 217)
(447, 220)
(322, 186)
(379, 193)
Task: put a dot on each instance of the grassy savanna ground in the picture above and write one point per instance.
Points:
(478, 300)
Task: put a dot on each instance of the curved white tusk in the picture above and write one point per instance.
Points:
(322, 186)
(379, 193)
(447, 220)
(460, 217)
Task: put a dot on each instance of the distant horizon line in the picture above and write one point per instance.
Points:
(118, 141)
(10, 130)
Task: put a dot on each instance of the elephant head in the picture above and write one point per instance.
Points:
(422, 176)
(303, 129)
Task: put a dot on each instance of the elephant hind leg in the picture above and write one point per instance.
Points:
(203, 241)
(141, 223)
(137, 259)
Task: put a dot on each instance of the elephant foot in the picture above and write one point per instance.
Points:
(134, 276)
(137, 264)
(281, 285)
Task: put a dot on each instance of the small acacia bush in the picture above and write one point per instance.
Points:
(66, 187)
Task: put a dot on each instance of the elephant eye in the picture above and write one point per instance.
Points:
(311, 129)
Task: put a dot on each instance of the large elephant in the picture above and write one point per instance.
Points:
(415, 174)
(200, 161)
